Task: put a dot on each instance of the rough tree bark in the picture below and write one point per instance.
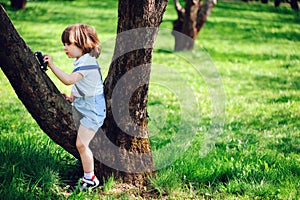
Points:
(190, 21)
(126, 124)
(34, 88)
(116, 150)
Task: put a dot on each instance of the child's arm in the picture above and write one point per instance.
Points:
(67, 79)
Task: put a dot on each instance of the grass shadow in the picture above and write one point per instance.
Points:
(287, 145)
(32, 168)
(277, 83)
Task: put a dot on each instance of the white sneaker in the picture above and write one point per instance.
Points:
(89, 184)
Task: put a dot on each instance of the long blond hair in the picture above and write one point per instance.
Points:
(84, 37)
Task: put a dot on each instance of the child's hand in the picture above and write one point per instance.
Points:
(48, 58)
(69, 99)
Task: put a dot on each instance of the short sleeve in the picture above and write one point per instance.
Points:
(83, 72)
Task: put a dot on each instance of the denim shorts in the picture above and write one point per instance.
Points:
(92, 109)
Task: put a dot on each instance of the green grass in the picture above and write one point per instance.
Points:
(254, 48)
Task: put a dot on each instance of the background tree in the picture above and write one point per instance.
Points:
(54, 115)
(191, 19)
(18, 4)
(293, 3)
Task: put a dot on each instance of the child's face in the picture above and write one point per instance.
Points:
(73, 51)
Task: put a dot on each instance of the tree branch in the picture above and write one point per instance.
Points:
(34, 88)
(204, 12)
(180, 10)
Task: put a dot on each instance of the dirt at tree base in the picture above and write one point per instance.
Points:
(119, 190)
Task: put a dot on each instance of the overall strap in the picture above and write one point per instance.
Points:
(79, 91)
(86, 67)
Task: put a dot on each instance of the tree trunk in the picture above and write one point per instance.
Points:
(265, 1)
(18, 4)
(34, 88)
(277, 3)
(122, 147)
(190, 22)
(128, 150)
(294, 5)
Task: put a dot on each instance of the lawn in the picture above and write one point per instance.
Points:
(224, 119)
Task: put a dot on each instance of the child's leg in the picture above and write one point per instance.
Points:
(89, 180)
(84, 137)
